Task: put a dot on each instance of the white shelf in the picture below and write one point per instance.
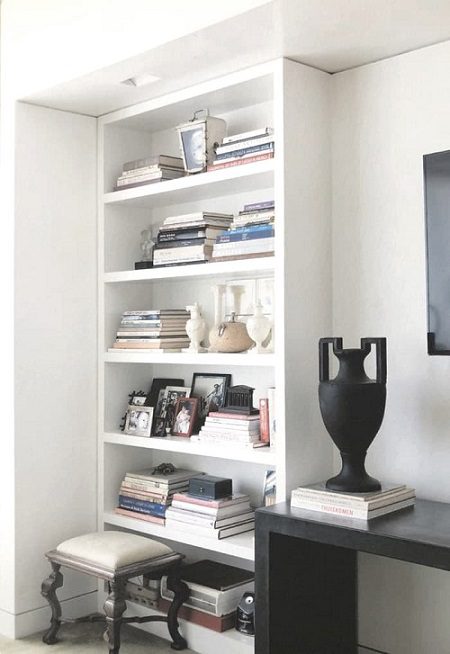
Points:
(199, 359)
(200, 186)
(241, 546)
(263, 456)
(239, 268)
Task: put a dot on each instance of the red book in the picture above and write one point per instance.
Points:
(264, 429)
(215, 622)
(140, 516)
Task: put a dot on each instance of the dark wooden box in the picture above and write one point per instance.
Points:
(210, 488)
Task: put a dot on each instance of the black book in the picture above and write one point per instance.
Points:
(215, 575)
(179, 244)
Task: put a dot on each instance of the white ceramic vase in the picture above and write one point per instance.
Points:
(258, 327)
(195, 329)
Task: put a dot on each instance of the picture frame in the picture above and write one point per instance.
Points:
(185, 416)
(138, 421)
(210, 388)
(138, 399)
(165, 409)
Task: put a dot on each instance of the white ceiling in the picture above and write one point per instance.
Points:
(332, 35)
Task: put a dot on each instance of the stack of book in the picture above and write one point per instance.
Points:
(146, 496)
(189, 238)
(251, 234)
(211, 518)
(149, 170)
(316, 497)
(246, 147)
(152, 329)
(215, 592)
(234, 429)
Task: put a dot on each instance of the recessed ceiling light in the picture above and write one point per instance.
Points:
(140, 80)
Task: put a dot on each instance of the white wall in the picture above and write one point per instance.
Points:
(55, 345)
(387, 115)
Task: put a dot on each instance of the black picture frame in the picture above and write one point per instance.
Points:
(204, 388)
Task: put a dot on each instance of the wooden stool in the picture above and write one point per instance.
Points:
(115, 557)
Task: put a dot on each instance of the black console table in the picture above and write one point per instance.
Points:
(306, 570)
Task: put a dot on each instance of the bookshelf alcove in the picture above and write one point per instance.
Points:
(293, 99)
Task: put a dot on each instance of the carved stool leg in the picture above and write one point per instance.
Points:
(48, 590)
(115, 605)
(181, 591)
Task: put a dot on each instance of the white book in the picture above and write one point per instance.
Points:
(196, 216)
(376, 503)
(248, 135)
(228, 436)
(245, 143)
(241, 157)
(362, 513)
(255, 245)
(226, 427)
(192, 518)
(209, 532)
(319, 489)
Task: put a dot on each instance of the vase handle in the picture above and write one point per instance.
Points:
(380, 344)
(324, 358)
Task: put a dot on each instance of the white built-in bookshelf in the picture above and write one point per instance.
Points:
(293, 99)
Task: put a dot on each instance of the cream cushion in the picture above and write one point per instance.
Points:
(113, 549)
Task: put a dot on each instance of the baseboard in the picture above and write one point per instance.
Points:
(37, 620)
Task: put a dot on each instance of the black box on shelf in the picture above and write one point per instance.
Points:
(210, 488)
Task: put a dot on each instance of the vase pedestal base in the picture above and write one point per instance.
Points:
(353, 477)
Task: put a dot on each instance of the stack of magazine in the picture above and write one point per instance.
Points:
(316, 497)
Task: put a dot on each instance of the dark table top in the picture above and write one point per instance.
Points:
(420, 534)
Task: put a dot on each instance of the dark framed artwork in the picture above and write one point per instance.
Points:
(210, 389)
(165, 409)
(185, 416)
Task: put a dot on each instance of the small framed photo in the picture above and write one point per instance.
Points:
(138, 399)
(165, 409)
(185, 416)
(138, 421)
(210, 389)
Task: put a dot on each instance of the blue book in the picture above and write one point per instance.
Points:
(141, 506)
(232, 237)
(253, 227)
(242, 151)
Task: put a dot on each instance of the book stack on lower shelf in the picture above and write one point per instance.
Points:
(251, 234)
(152, 329)
(233, 429)
(189, 238)
(157, 168)
(218, 518)
(146, 494)
(245, 147)
(364, 506)
(215, 591)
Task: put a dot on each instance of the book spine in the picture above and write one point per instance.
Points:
(158, 160)
(234, 416)
(272, 415)
(261, 216)
(163, 500)
(189, 242)
(246, 143)
(217, 434)
(242, 152)
(349, 502)
(140, 506)
(212, 622)
(208, 504)
(140, 516)
(250, 229)
(262, 131)
(182, 235)
(264, 425)
(190, 518)
(250, 235)
(259, 206)
(365, 514)
(238, 161)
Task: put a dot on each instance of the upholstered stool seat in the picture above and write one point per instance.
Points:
(115, 557)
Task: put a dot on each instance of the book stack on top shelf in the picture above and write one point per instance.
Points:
(219, 518)
(189, 238)
(152, 329)
(146, 494)
(243, 148)
(233, 429)
(157, 168)
(215, 591)
(251, 234)
(316, 497)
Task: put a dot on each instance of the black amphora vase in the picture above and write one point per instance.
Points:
(352, 407)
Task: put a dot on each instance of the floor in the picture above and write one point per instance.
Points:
(87, 639)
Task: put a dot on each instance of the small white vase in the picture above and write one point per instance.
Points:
(195, 329)
(258, 327)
